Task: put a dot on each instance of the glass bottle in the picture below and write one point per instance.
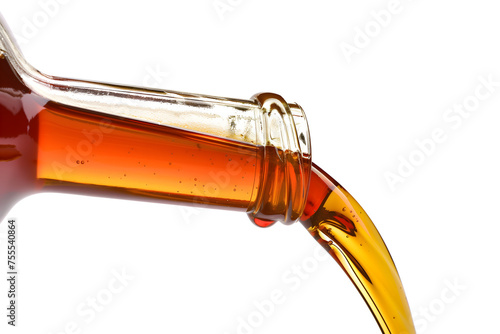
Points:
(253, 156)
(84, 137)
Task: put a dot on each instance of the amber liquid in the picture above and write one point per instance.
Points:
(133, 158)
(45, 146)
(342, 227)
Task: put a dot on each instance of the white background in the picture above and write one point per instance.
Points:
(199, 271)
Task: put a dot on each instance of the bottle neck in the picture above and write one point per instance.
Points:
(286, 164)
(81, 151)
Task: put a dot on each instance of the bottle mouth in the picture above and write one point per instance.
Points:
(283, 125)
(286, 164)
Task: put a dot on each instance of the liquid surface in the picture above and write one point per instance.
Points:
(342, 227)
(81, 148)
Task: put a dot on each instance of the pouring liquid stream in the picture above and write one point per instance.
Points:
(341, 226)
(46, 146)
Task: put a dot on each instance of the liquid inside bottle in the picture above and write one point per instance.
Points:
(53, 147)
